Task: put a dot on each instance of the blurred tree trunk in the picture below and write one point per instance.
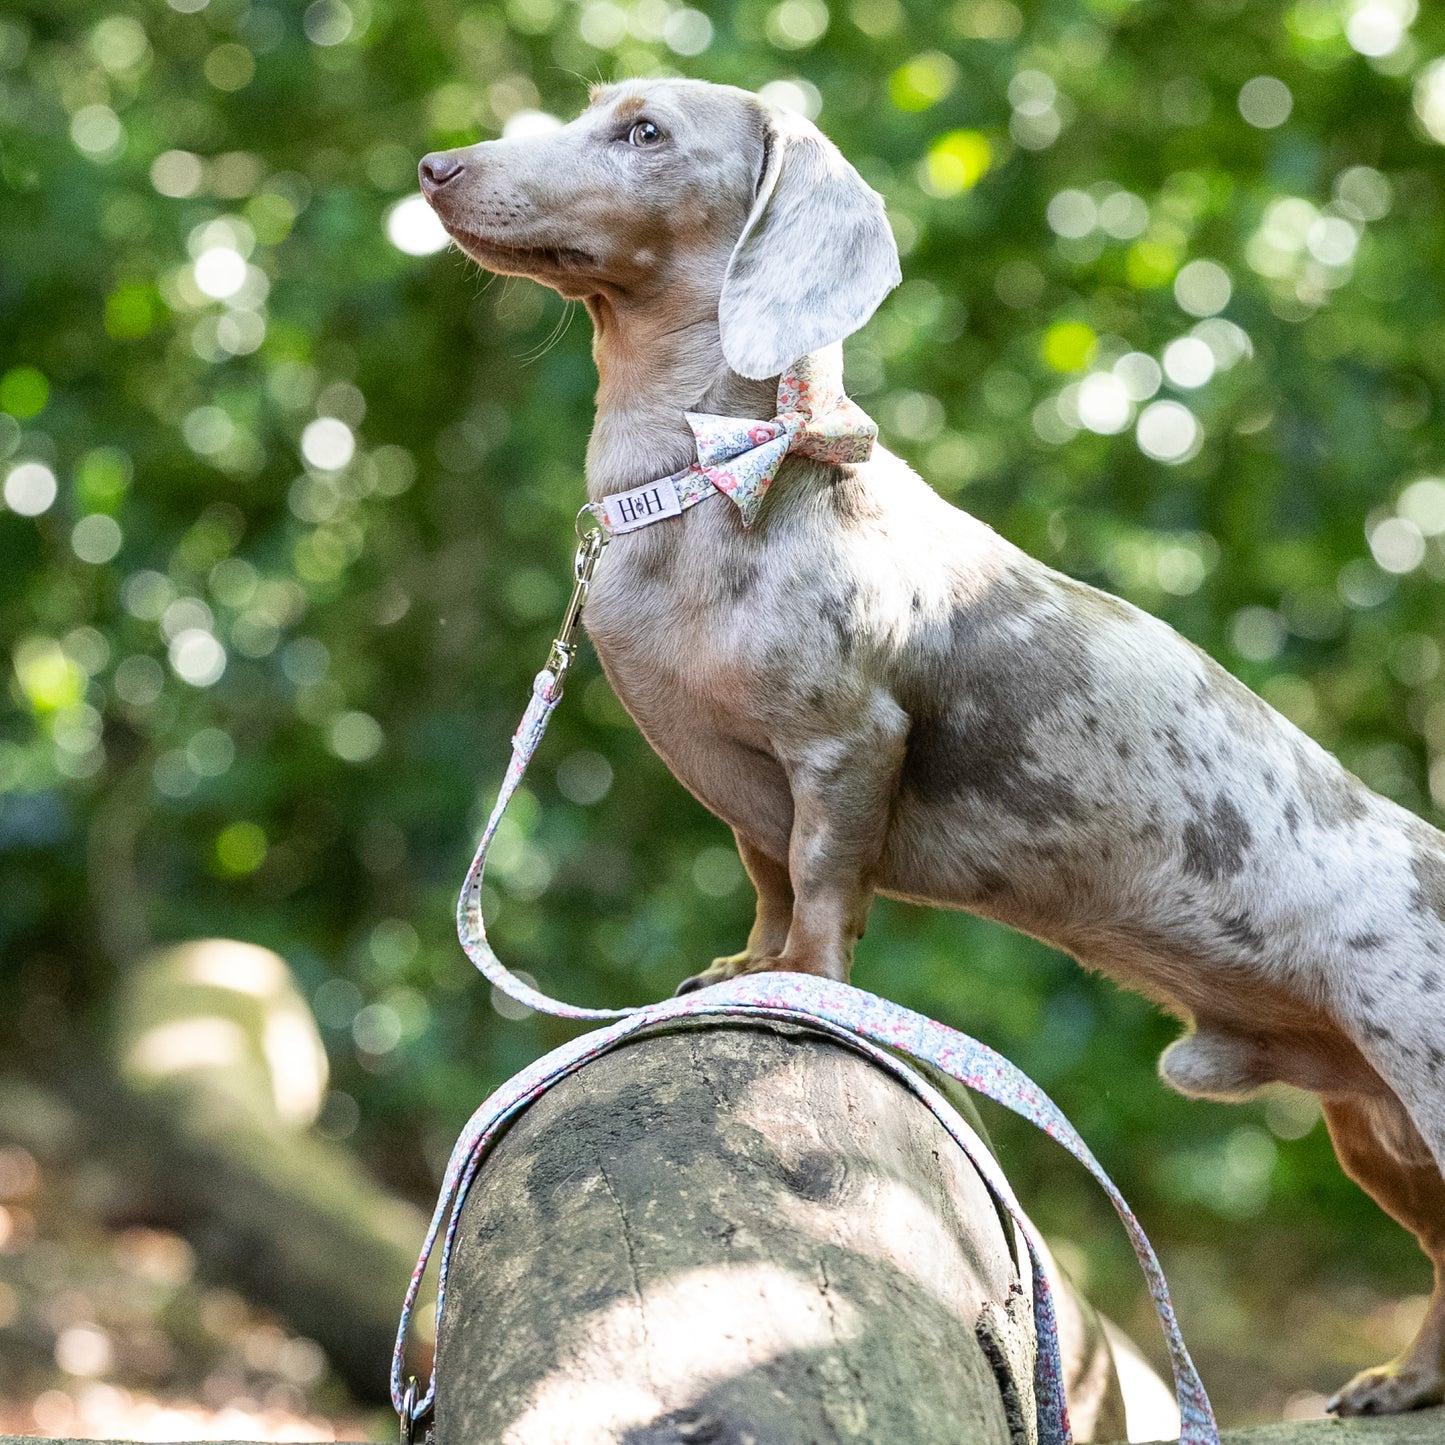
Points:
(203, 1116)
(288, 1218)
(285, 1217)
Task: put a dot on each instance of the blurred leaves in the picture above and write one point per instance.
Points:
(288, 498)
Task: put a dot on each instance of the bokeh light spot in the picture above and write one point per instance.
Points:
(1104, 404)
(220, 272)
(1168, 432)
(795, 94)
(50, 681)
(412, 226)
(30, 489)
(327, 22)
(328, 443)
(356, 737)
(1397, 545)
(97, 131)
(584, 777)
(1423, 503)
(1123, 215)
(1072, 214)
(1265, 102)
(1257, 633)
(377, 1029)
(1150, 263)
(1202, 288)
(797, 24)
(119, 43)
(229, 67)
(197, 657)
(96, 539)
(717, 871)
(522, 123)
(177, 173)
(955, 163)
(1375, 28)
(687, 32)
(139, 680)
(602, 24)
(240, 849)
(24, 392)
(1140, 373)
(923, 81)
(1188, 362)
(1429, 97)
(1068, 345)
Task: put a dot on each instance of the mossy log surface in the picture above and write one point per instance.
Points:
(735, 1234)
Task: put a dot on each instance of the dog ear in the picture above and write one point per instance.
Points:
(814, 259)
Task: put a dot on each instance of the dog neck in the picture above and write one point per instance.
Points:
(650, 370)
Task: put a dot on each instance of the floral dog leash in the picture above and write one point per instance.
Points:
(860, 1020)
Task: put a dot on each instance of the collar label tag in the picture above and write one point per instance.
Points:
(627, 511)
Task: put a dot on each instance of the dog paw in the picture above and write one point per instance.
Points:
(720, 969)
(737, 964)
(1390, 1390)
(695, 982)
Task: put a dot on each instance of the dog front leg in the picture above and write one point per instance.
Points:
(842, 797)
(842, 788)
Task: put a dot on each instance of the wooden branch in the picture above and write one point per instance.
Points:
(733, 1233)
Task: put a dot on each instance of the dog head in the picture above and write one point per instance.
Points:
(674, 193)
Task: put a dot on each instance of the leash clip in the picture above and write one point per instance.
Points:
(409, 1417)
(592, 540)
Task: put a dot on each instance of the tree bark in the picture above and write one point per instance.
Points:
(741, 1235)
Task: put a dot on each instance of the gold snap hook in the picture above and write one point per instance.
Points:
(408, 1412)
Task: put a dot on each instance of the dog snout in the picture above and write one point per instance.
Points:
(437, 170)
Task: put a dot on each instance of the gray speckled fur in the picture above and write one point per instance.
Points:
(879, 693)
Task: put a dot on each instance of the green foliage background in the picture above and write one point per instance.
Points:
(381, 622)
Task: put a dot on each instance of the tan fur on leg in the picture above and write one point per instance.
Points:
(1413, 1194)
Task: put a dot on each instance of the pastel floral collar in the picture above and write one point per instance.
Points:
(740, 457)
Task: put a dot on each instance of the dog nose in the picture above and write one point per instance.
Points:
(436, 170)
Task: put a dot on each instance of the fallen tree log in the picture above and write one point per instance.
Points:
(739, 1233)
(289, 1219)
(222, 1071)
(201, 1121)
(1422, 1427)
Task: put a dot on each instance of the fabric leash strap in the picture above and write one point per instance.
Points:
(860, 1020)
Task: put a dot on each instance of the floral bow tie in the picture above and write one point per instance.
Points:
(740, 457)
(815, 419)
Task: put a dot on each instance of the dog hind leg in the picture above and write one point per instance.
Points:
(1412, 1192)
(769, 933)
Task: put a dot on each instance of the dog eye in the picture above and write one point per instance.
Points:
(644, 133)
